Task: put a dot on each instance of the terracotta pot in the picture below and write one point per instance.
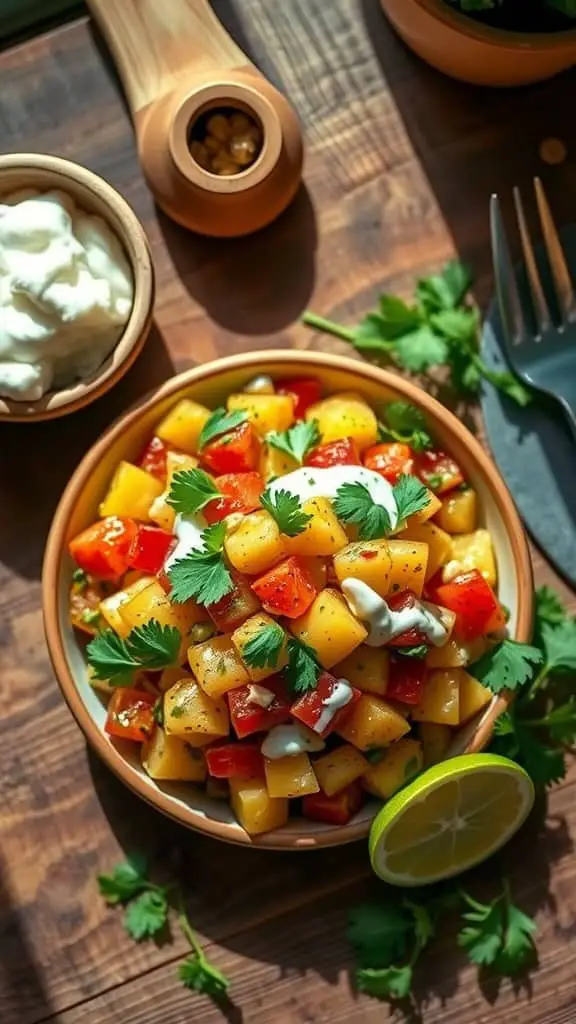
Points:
(463, 48)
(210, 385)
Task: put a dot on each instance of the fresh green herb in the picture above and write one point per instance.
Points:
(126, 880)
(202, 575)
(498, 934)
(190, 491)
(146, 915)
(435, 481)
(80, 578)
(263, 649)
(354, 504)
(418, 651)
(178, 711)
(411, 496)
(304, 669)
(297, 441)
(196, 972)
(286, 510)
(375, 754)
(559, 644)
(158, 712)
(507, 667)
(549, 607)
(405, 423)
(90, 616)
(220, 422)
(440, 329)
(115, 658)
(201, 631)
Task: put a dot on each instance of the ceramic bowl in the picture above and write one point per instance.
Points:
(94, 195)
(210, 385)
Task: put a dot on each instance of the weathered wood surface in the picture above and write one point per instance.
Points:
(400, 163)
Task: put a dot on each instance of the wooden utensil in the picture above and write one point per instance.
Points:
(177, 62)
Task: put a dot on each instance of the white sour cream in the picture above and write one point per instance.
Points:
(324, 483)
(341, 696)
(290, 740)
(383, 623)
(188, 530)
(260, 695)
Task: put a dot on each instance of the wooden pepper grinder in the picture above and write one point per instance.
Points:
(179, 69)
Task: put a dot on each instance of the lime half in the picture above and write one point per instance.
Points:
(451, 817)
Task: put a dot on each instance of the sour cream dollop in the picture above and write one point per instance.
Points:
(324, 483)
(383, 623)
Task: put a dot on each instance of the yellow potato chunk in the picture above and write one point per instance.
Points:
(153, 603)
(345, 415)
(246, 632)
(256, 544)
(330, 628)
(255, 809)
(169, 757)
(131, 493)
(322, 535)
(366, 560)
(441, 698)
(290, 776)
(434, 505)
(275, 463)
(339, 768)
(109, 608)
(193, 715)
(472, 551)
(458, 512)
(161, 512)
(172, 674)
(217, 666)
(367, 668)
(318, 569)
(401, 762)
(457, 653)
(473, 696)
(183, 424)
(265, 412)
(409, 563)
(373, 722)
(435, 739)
(439, 544)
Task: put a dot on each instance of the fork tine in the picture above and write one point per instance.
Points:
(543, 319)
(511, 313)
(558, 267)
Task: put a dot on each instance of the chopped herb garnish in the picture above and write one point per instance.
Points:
(220, 422)
(297, 441)
(405, 423)
(202, 576)
(90, 616)
(304, 669)
(191, 490)
(287, 512)
(264, 648)
(116, 659)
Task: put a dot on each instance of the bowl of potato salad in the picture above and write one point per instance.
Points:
(266, 588)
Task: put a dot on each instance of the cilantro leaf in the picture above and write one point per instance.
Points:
(126, 880)
(190, 491)
(520, 741)
(115, 658)
(198, 974)
(385, 982)
(355, 504)
(549, 607)
(379, 933)
(559, 644)
(371, 336)
(213, 537)
(406, 423)
(507, 666)
(263, 649)
(411, 496)
(202, 575)
(507, 383)
(560, 721)
(286, 510)
(154, 645)
(420, 350)
(446, 290)
(498, 934)
(303, 669)
(457, 325)
(146, 915)
(297, 441)
(418, 651)
(397, 317)
(220, 422)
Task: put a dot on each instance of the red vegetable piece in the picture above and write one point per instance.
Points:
(238, 451)
(130, 714)
(240, 493)
(105, 549)
(153, 458)
(390, 460)
(438, 471)
(287, 589)
(305, 391)
(313, 708)
(407, 678)
(230, 760)
(218, 509)
(247, 717)
(477, 608)
(234, 608)
(343, 452)
(334, 810)
(151, 548)
(410, 637)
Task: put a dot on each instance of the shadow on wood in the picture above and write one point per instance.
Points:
(22, 992)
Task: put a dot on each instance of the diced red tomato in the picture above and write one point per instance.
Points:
(153, 458)
(229, 760)
(390, 460)
(477, 608)
(314, 708)
(151, 548)
(438, 471)
(343, 452)
(287, 589)
(234, 608)
(130, 714)
(240, 493)
(407, 678)
(105, 549)
(248, 717)
(236, 452)
(304, 390)
(334, 810)
(410, 637)
(164, 580)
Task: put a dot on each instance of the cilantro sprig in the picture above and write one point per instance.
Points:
(498, 934)
(220, 422)
(297, 441)
(507, 666)
(303, 669)
(116, 659)
(286, 510)
(406, 423)
(354, 504)
(203, 575)
(191, 490)
(264, 648)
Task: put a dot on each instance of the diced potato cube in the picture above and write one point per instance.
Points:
(345, 415)
(458, 512)
(275, 463)
(161, 512)
(439, 544)
(367, 668)
(339, 768)
(256, 544)
(435, 739)
(172, 674)
(322, 535)
(434, 505)
(457, 653)
(110, 607)
(193, 715)
(249, 629)
(440, 699)
(153, 603)
(373, 722)
(265, 412)
(169, 757)
(217, 666)
(401, 762)
(472, 551)
(255, 809)
(183, 425)
(330, 628)
(409, 563)
(131, 493)
(318, 569)
(366, 560)
(473, 696)
(290, 776)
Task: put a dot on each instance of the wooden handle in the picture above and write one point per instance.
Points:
(155, 43)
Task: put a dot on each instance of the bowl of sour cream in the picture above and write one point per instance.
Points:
(76, 286)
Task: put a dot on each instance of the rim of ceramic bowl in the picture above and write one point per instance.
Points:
(275, 361)
(531, 41)
(135, 245)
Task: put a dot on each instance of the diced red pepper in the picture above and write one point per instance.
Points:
(407, 678)
(248, 717)
(240, 493)
(287, 589)
(477, 608)
(151, 548)
(410, 637)
(238, 451)
(164, 580)
(390, 460)
(153, 458)
(105, 549)
(343, 452)
(334, 810)
(438, 471)
(229, 760)
(314, 708)
(234, 608)
(130, 714)
(305, 391)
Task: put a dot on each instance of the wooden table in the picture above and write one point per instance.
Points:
(400, 163)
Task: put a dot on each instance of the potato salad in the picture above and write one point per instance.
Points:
(284, 599)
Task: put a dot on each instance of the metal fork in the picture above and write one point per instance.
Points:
(543, 356)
